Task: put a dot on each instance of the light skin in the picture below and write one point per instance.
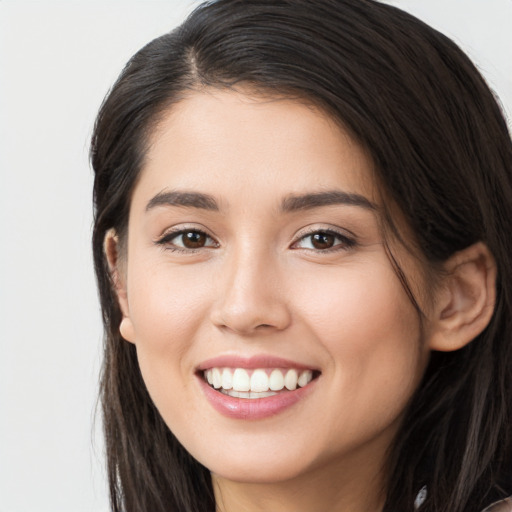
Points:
(247, 178)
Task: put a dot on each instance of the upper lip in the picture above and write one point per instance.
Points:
(253, 362)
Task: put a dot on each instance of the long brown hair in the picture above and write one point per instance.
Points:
(442, 153)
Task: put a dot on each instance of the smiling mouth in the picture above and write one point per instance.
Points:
(257, 383)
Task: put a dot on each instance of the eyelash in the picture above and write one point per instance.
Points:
(346, 242)
(167, 240)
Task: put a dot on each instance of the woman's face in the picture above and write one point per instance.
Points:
(255, 259)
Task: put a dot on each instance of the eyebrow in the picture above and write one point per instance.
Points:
(291, 203)
(308, 201)
(187, 199)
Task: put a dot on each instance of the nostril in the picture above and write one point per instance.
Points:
(246, 308)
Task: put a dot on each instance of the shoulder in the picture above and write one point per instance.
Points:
(500, 506)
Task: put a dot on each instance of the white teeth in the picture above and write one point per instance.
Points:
(241, 381)
(227, 379)
(276, 381)
(305, 378)
(248, 394)
(290, 379)
(217, 379)
(257, 383)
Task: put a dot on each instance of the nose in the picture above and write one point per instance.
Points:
(251, 296)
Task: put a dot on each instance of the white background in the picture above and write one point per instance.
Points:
(57, 60)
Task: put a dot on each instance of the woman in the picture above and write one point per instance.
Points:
(302, 247)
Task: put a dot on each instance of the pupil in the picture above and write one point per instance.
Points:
(193, 240)
(323, 241)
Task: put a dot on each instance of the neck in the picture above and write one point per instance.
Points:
(338, 487)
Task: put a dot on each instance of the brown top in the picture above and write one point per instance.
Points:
(500, 506)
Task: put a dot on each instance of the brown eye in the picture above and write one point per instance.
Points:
(322, 240)
(186, 240)
(193, 239)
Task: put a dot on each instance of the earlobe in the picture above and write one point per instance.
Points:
(118, 277)
(465, 299)
(126, 329)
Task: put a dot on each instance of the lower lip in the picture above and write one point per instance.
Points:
(253, 408)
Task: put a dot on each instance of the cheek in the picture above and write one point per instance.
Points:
(167, 307)
(356, 309)
(165, 302)
(371, 332)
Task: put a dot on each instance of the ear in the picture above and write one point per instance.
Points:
(465, 299)
(117, 268)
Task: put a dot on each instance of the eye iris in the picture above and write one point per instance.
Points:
(322, 240)
(193, 239)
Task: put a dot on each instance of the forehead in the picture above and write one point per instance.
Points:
(227, 143)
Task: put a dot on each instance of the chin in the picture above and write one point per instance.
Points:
(270, 471)
(257, 461)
